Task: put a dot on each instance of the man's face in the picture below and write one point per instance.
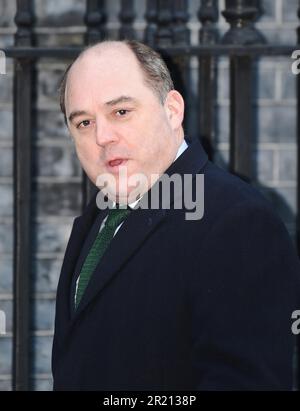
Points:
(119, 126)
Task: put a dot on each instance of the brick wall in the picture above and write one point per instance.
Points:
(57, 173)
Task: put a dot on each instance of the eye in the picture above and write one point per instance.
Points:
(122, 112)
(83, 124)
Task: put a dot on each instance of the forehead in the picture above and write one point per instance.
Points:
(104, 74)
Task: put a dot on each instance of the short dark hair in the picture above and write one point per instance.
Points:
(156, 73)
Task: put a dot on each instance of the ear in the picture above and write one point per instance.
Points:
(174, 106)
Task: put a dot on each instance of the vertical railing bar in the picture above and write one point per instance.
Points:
(241, 117)
(181, 37)
(241, 17)
(126, 17)
(208, 15)
(181, 32)
(298, 154)
(164, 34)
(95, 19)
(22, 199)
(151, 23)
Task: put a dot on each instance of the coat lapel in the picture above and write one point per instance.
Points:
(79, 232)
(137, 226)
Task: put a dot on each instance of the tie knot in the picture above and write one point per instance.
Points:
(116, 216)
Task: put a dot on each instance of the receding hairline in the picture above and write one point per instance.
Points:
(106, 45)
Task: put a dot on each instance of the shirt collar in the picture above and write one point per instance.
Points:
(181, 149)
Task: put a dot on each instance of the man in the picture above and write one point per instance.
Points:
(160, 301)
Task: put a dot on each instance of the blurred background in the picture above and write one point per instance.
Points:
(230, 59)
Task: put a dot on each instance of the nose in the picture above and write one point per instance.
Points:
(105, 133)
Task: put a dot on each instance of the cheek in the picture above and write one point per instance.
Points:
(85, 150)
(89, 157)
(152, 138)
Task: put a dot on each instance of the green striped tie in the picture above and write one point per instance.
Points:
(104, 237)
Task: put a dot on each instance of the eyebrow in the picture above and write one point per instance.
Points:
(77, 114)
(121, 99)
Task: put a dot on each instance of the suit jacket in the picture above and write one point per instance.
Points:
(182, 305)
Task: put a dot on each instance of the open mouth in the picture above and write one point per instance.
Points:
(115, 164)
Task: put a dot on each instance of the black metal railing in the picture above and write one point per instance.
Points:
(167, 31)
(22, 196)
